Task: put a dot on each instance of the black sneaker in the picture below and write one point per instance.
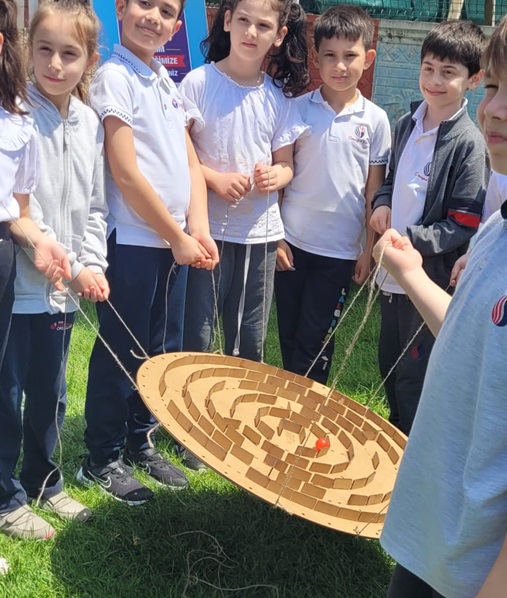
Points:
(157, 467)
(190, 460)
(115, 479)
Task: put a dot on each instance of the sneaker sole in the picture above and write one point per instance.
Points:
(82, 479)
(159, 483)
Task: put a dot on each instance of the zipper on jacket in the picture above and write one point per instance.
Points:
(65, 186)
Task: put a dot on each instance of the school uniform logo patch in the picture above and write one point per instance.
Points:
(427, 169)
(175, 103)
(360, 136)
(499, 312)
(360, 131)
(60, 325)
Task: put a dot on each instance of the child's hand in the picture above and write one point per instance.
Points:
(381, 219)
(363, 268)
(457, 269)
(284, 257)
(90, 286)
(399, 256)
(232, 186)
(208, 244)
(188, 251)
(265, 178)
(52, 260)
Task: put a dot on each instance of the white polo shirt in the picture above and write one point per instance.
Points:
(148, 101)
(18, 161)
(237, 126)
(323, 208)
(411, 183)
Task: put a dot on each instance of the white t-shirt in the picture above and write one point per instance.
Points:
(147, 100)
(496, 194)
(411, 183)
(323, 208)
(18, 161)
(235, 127)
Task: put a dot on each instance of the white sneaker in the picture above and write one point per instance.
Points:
(66, 507)
(24, 523)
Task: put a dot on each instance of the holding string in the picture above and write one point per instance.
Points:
(244, 126)
(68, 204)
(157, 223)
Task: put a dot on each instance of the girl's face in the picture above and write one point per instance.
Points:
(59, 61)
(492, 115)
(254, 29)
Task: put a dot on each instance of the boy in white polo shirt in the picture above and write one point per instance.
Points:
(155, 190)
(326, 207)
(434, 193)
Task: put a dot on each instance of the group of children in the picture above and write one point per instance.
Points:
(237, 168)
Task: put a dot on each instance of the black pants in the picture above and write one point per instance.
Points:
(34, 365)
(309, 302)
(406, 585)
(149, 295)
(7, 275)
(399, 322)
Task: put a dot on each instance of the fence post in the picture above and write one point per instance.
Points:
(489, 12)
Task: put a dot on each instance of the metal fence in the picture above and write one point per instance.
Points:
(483, 12)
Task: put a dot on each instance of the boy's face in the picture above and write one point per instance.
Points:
(341, 63)
(148, 24)
(443, 83)
(492, 115)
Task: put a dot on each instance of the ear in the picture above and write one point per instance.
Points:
(369, 58)
(227, 20)
(474, 80)
(92, 61)
(121, 6)
(177, 27)
(280, 37)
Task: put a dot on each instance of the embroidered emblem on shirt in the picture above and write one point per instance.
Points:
(499, 312)
(175, 103)
(360, 135)
(360, 131)
(424, 175)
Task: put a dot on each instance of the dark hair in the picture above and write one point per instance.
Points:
(12, 72)
(86, 28)
(457, 41)
(494, 59)
(288, 64)
(349, 22)
(182, 6)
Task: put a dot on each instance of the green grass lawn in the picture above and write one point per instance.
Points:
(212, 540)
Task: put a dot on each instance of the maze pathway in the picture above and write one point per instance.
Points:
(258, 426)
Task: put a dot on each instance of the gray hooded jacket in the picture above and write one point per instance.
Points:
(68, 203)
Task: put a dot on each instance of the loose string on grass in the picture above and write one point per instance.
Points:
(218, 556)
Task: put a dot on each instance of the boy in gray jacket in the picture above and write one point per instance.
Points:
(434, 193)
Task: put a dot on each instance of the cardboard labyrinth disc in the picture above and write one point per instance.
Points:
(258, 426)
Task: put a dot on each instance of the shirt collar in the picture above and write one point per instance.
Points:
(358, 106)
(419, 114)
(143, 70)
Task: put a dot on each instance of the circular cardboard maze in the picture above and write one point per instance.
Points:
(258, 426)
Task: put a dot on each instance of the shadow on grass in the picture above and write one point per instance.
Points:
(204, 543)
